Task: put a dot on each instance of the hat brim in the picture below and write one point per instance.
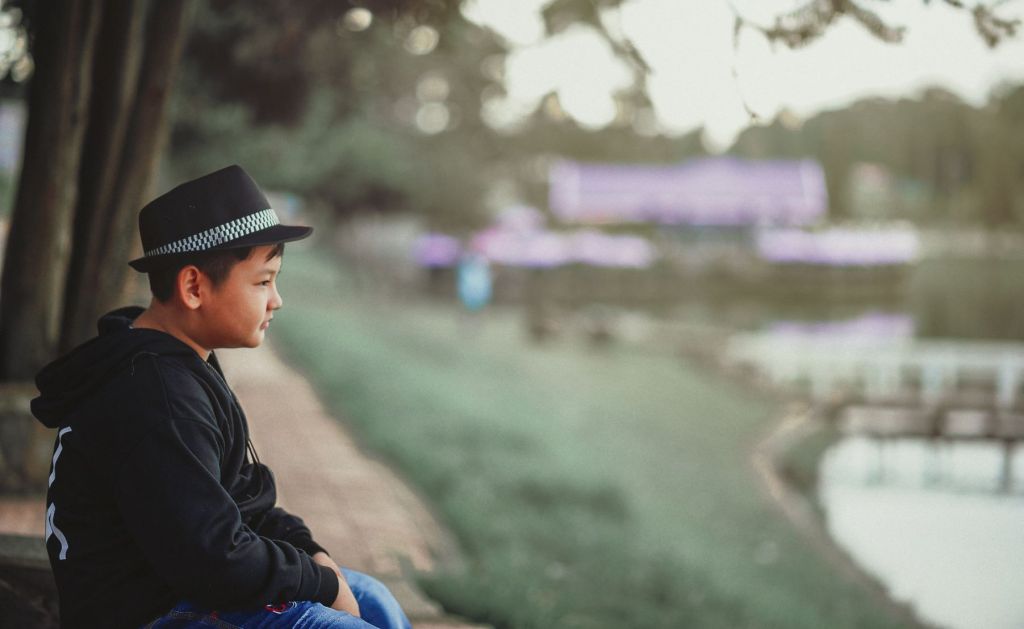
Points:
(270, 236)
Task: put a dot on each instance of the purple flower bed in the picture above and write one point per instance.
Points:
(536, 248)
(839, 247)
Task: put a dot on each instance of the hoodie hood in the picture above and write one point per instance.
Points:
(64, 383)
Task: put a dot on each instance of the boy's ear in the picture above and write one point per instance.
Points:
(189, 280)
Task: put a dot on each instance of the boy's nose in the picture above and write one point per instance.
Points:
(275, 300)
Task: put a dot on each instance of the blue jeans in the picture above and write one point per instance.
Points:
(377, 607)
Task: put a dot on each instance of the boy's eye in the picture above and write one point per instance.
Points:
(265, 283)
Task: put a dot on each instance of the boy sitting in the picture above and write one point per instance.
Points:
(158, 509)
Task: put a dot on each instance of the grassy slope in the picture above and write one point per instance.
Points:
(588, 489)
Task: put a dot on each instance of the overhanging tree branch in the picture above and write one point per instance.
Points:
(811, 20)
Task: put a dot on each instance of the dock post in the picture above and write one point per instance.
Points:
(1007, 385)
(1006, 469)
(933, 382)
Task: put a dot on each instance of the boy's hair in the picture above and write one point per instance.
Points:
(215, 265)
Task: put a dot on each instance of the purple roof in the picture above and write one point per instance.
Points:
(707, 191)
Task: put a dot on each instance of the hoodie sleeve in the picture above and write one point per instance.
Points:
(191, 531)
(279, 524)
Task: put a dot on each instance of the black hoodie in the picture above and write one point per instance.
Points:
(152, 497)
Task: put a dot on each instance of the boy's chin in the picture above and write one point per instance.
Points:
(252, 342)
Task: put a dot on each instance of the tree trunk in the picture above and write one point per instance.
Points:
(100, 262)
(38, 244)
(115, 81)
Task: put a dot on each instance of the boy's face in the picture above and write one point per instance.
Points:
(238, 311)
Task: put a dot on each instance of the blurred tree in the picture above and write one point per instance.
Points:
(968, 160)
(382, 108)
(96, 109)
(999, 149)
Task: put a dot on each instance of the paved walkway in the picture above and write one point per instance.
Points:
(365, 516)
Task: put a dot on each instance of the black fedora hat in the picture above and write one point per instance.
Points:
(222, 210)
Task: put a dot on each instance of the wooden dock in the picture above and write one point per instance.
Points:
(927, 372)
(931, 423)
(942, 427)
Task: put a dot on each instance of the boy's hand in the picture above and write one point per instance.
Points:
(346, 601)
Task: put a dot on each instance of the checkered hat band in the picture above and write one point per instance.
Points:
(220, 234)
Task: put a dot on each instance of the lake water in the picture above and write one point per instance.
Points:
(942, 525)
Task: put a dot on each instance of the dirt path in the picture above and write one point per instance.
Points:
(366, 517)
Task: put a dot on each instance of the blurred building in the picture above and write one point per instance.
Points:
(713, 191)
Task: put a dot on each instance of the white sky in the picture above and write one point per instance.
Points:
(689, 45)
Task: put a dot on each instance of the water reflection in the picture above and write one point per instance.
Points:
(968, 299)
(938, 522)
(942, 299)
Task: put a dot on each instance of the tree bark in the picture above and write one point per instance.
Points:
(38, 245)
(101, 262)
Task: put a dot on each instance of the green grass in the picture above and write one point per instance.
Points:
(587, 488)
